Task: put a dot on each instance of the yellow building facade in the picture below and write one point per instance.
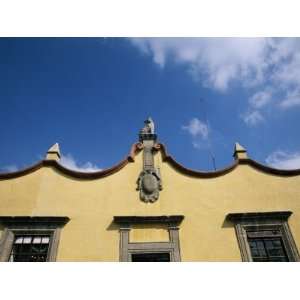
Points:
(150, 208)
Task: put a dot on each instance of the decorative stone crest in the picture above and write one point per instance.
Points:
(149, 184)
(149, 181)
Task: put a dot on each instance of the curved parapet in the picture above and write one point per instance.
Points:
(241, 158)
(74, 173)
(194, 173)
(240, 155)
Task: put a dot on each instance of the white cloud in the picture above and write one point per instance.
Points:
(224, 60)
(256, 103)
(199, 132)
(219, 63)
(220, 60)
(284, 160)
(292, 99)
(260, 99)
(197, 128)
(9, 168)
(285, 57)
(66, 160)
(69, 162)
(252, 118)
(200, 144)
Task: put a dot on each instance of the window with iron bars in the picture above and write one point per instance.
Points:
(266, 249)
(30, 248)
(265, 236)
(30, 239)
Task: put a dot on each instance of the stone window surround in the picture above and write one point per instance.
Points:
(27, 225)
(263, 221)
(127, 248)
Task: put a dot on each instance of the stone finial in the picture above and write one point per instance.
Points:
(53, 153)
(239, 152)
(149, 126)
(147, 132)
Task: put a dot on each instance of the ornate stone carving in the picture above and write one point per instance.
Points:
(149, 181)
(149, 185)
(149, 127)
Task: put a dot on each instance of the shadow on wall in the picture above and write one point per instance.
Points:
(112, 226)
(227, 224)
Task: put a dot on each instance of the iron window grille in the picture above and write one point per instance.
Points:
(265, 237)
(266, 249)
(30, 239)
(30, 248)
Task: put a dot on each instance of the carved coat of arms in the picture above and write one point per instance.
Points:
(149, 184)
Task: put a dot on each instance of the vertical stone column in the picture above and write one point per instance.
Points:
(124, 241)
(149, 181)
(148, 155)
(174, 239)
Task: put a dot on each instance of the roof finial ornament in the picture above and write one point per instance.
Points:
(53, 153)
(148, 131)
(149, 126)
(239, 152)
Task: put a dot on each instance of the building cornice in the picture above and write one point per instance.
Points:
(176, 219)
(258, 216)
(33, 221)
(166, 157)
(238, 161)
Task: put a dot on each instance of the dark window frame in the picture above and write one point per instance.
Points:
(30, 225)
(32, 234)
(263, 224)
(262, 251)
(144, 258)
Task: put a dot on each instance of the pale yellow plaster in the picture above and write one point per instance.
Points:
(91, 205)
(149, 233)
(52, 156)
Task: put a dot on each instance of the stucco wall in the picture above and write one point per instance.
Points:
(90, 234)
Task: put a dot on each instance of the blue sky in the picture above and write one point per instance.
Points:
(91, 95)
